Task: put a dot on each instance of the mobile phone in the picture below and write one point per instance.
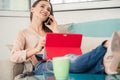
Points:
(48, 21)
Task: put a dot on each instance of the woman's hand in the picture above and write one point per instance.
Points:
(37, 49)
(41, 44)
(53, 24)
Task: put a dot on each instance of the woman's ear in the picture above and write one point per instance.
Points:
(32, 10)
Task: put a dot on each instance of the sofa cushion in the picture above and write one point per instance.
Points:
(89, 43)
(6, 70)
(99, 28)
(10, 46)
(64, 28)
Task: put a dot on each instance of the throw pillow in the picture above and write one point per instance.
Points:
(10, 46)
(64, 28)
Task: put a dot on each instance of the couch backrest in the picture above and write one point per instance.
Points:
(99, 28)
(94, 32)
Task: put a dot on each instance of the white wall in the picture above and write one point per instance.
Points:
(11, 22)
(87, 11)
(9, 28)
(89, 15)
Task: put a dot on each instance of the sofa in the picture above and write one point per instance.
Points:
(94, 33)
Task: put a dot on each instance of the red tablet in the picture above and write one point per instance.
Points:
(60, 44)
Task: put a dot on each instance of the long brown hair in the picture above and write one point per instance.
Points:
(46, 29)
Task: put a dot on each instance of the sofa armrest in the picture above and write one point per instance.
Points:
(9, 70)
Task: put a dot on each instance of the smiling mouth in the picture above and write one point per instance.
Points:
(44, 14)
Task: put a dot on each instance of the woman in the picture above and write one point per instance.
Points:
(30, 41)
(29, 45)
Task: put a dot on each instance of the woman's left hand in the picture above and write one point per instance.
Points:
(53, 24)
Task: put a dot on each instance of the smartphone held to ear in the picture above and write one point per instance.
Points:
(48, 21)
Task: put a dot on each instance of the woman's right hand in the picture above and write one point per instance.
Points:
(40, 44)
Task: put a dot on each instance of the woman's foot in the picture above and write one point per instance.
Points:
(112, 57)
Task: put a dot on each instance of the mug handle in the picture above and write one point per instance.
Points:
(47, 66)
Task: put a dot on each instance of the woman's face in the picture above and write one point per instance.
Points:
(41, 10)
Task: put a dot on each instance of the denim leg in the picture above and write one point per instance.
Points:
(98, 68)
(40, 68)
(85, 62)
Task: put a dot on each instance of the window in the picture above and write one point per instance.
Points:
(14, 4)
(72, 1)
(55, 2)
(25, 4)
(4, 4)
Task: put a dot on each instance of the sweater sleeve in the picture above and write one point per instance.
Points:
(18, 53)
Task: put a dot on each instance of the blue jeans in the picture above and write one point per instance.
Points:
(90, 62)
